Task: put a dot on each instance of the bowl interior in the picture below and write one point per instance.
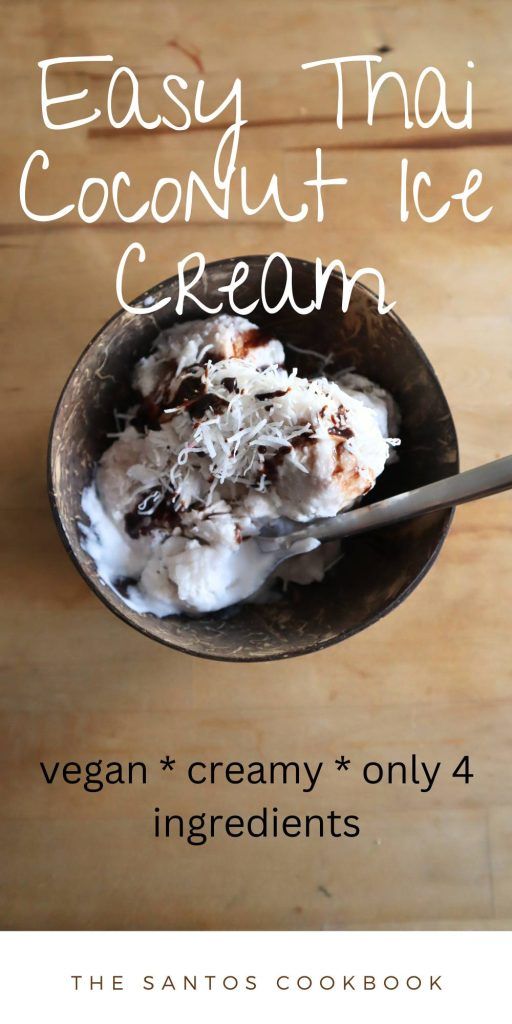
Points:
(378, 569)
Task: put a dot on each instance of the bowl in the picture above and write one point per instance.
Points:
(378, 569)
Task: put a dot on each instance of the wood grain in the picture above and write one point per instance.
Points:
(434, 676)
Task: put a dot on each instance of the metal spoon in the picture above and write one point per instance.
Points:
(453, 490)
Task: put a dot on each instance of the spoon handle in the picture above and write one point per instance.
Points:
(453, 490)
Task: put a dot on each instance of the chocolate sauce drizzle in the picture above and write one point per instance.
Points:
(270, 467)
(153, 511)
(206, 403)
(255, 337)
(191, 394)
(344, 432)
(339, 425)
(189, 388)
(265, 396)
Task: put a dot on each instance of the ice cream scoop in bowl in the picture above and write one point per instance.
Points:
(376, 570)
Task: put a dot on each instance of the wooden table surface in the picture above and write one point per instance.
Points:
(433, 677)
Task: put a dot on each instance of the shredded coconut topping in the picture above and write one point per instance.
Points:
(248, 415)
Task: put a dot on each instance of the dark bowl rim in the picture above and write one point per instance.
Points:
(317, 645)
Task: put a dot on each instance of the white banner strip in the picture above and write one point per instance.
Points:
(229, 976)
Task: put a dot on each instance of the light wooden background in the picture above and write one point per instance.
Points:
(434, 677)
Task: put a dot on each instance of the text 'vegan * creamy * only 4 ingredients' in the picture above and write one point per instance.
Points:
(223, 440)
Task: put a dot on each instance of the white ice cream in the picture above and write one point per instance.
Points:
(225, 438)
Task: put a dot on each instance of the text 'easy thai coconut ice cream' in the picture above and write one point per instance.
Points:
(224, 439)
